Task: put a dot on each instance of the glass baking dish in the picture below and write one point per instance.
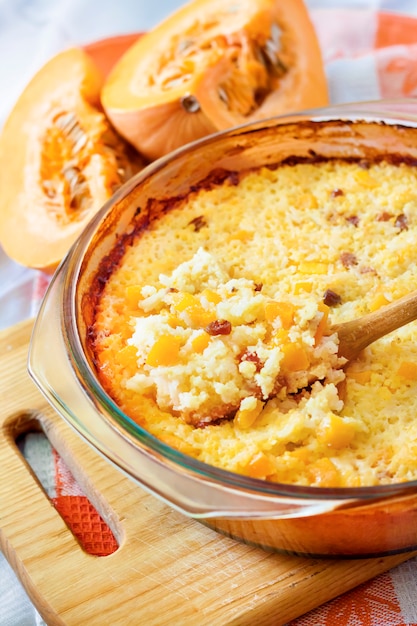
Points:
(351, 522)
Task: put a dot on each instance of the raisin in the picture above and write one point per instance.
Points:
(198, 223)
(337, 192)
(252, 357)
(219, 327)
(353, 219)
(331, 298)
(383, 217)
(348, 259)
(401, 222)
(367, 270)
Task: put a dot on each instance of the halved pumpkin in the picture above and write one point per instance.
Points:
(212, 65)
(60, 160)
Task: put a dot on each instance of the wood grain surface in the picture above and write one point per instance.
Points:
(168, 568)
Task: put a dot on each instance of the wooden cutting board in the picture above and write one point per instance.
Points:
(168, 568)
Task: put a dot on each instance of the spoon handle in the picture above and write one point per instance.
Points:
(357, 334)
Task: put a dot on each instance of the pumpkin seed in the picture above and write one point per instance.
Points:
(270, 59)
(190, 103)
(80, 199)
(76, 133)
(276, 33)
(280, 65)
(71, 173)
(80, 143)
(66, 122)
(223, 94)
(270, 50)
(184, 44)
(49, 188)
(172, 83)
(78, 188)
(79, 202)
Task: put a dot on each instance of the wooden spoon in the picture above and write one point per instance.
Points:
(357, 334)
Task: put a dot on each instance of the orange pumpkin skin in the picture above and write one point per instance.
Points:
(212, 65)
(60, 161)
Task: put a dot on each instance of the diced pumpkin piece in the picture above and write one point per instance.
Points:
(303, 285)
(106, 356)
(295, 357)
(133, 295)
(200, 342)
(174, 321)
(211, 296)
(199, 317)
(248, 413)
(408, 370)
(361, 377)
(127, 357)
(313, 267)
(165, 351)
(377, 302)
(302, 453)
(241, 235)
(184, 300)
(352, 480)
(280, 337)
(193, 312)
(261, 465)
(365, 179)
(336, 433)
(125, 330)
(284, 310)
(324, 473)
(178, 443)
(307, 201)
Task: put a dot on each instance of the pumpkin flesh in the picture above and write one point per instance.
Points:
(60, 161)
(218, 63)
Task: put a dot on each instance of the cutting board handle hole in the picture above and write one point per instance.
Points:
(61, 488)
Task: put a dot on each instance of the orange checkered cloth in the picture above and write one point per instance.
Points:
(369, 54)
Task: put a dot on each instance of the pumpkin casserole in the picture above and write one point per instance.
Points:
(212, 331)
